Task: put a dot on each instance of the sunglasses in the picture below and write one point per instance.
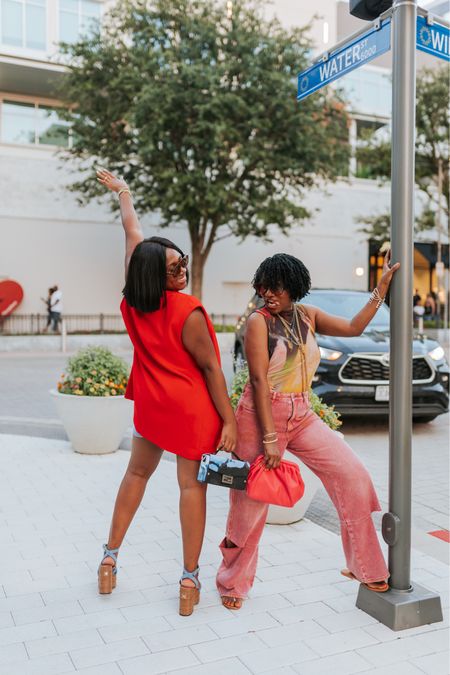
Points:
(183, 262)
(261, 291)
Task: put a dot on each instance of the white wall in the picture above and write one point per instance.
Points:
(46, 238)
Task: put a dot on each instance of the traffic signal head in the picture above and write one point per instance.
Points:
(369, 9)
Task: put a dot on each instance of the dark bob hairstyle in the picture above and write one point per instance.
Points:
(283, 271)
(146, 277)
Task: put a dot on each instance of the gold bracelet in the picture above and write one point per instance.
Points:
(122, 190)
(273, 440)
(270, 433)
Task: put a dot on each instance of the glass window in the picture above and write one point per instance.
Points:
(368, 91)
(23, 23)
(12, 23)
(35, 26)
(77, 18)
(50, 129)
(31, 124)
(347, 305)
(18, 122)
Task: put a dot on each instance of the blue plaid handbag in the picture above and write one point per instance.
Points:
(223, 470)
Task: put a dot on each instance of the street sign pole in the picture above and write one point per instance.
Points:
(405, 605)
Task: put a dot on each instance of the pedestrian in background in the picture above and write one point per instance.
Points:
(48, 305)
(56, 308)
(274, 415)
(180, 397)
(430, 307)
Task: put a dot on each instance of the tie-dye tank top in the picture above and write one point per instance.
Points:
(291, 368)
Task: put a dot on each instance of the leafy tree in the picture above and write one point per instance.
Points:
(432, 149)
(196, 108)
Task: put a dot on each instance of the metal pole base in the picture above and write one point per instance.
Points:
(401, 609)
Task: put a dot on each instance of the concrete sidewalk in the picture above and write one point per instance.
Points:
(55, 508)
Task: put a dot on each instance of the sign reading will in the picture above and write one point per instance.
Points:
(364, 48)
(433, 39)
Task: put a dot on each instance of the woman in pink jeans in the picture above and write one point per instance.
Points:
(274, 415)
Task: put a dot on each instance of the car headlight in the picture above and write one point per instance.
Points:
(437, 354)
(329, 354)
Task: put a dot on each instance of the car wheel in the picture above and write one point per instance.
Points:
(424, 419)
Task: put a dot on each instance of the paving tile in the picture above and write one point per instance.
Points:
(63, 643)
(311, 610)
(434, 664)
(56, 611)
(225, 667)
(72, 624)
(284, 635)
(115, 600)
(6, 620)
(338, 664)
(346, 620)
(19, 602)
(131, 629)
(225, 647)
(12, 654)
(406, 668)
(114, 651)
(317, 594)
(105, 669)
(181, 637)
(396, 651)
(269, 658)
(162, 662)
(340, 642)
(32, 631)
(244, 624)
(57, 664)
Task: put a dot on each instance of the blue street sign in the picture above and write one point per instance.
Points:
(433, 39)
(361, 50)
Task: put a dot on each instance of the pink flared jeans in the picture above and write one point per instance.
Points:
(344, 477)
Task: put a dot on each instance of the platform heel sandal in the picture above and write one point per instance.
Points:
(189, 595)
(107, 574)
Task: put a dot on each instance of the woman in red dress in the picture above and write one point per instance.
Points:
(180, 397)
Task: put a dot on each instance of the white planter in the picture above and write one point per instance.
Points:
(95, 425)
(282, 515)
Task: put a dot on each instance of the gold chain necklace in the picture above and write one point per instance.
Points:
(291, 335)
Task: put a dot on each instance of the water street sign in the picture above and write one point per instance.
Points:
(433, 38)
(361, 50)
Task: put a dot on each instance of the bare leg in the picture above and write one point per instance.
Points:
(192, 513)
(144, 459)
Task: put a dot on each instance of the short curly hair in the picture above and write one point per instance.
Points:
(283, 271)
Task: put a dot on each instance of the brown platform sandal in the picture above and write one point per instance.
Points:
(375, 586)
(189, 595)
(237, 602)
(107, 573)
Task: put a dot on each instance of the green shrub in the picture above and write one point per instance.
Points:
(94, 371)
(326, 413)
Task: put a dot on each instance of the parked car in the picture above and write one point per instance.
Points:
(353, 373)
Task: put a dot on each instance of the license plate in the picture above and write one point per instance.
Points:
(382, 393)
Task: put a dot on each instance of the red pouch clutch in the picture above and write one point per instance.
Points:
(283, 486)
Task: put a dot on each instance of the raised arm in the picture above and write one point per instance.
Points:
(328, 324)
(130, 222)
(198, 343)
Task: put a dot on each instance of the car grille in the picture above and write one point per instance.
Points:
(365, 369)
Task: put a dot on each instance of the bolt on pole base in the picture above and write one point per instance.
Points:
(399, 610)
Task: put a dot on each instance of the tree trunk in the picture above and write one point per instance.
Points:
(198, 263)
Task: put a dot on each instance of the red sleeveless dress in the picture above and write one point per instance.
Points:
(172, 405)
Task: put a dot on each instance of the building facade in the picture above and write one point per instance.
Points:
(47, 238)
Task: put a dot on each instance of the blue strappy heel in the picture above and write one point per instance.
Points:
(189, 595)
(107, 574)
